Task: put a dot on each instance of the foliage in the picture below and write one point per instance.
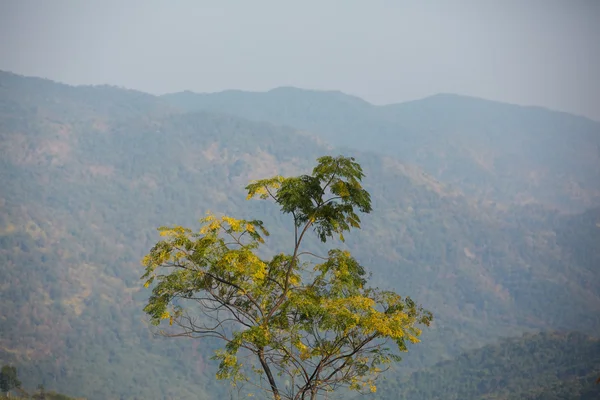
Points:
(87, 173)
(547, 365)
(9, 378)
(51, 395)
(318, 329)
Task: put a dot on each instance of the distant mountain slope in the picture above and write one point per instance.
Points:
(497, 151)
(84, 190)
(544, 366)
(579, 236)
(49, 99)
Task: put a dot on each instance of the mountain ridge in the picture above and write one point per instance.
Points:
(287, 88)
(357, 99)
(495, 151)
(91, 174)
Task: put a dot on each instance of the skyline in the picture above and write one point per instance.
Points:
(310, 90)
(535, 53)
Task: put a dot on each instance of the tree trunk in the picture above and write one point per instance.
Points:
(263, 362)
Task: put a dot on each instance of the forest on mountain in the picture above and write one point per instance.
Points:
(488, 214)
(542, 366)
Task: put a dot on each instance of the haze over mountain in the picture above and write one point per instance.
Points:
(535, 52)
(469, 218)
(496, 151)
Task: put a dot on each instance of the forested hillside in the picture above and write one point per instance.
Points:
(88, 173)
(497, 152)
(544, 366)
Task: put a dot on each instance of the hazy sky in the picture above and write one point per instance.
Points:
(530, 52)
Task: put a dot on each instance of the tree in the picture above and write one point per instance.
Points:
(9, 379)
(42, 392)
(305, 327)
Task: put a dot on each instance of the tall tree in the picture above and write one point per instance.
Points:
(306, 324)
(9, 379)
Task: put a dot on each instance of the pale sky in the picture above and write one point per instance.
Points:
(531, 52)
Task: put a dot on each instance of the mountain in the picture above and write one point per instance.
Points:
(88, 173)
(543, 366)
(495, 151)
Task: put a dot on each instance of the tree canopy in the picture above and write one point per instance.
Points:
(9, 379)
(304, 323)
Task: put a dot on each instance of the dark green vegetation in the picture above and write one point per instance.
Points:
(86, 174)
(541, 367)
(10, 384)
(51, 395)
(9, 379)
(40, 395)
